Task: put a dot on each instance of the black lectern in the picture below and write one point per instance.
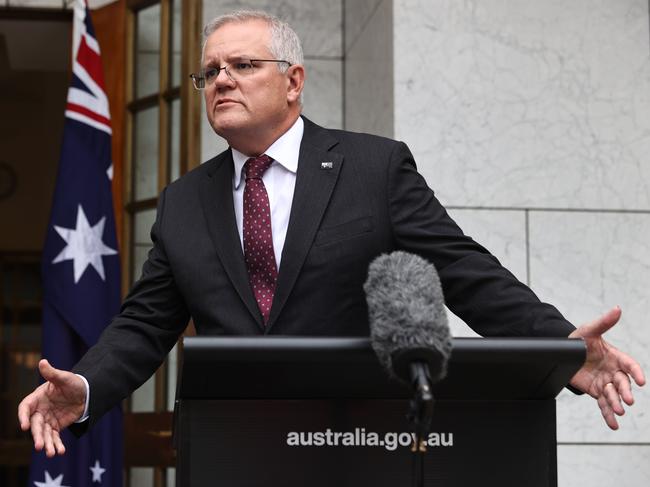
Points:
(294, 412)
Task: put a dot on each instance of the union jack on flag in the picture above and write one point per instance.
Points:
(80, 265)
(87, 101)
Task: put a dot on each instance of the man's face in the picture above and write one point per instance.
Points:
(257, 106)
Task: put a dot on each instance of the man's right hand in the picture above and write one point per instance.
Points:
(52, 407)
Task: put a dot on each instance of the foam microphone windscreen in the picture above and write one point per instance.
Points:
(408, 320)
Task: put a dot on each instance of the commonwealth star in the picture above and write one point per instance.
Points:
(85, 246)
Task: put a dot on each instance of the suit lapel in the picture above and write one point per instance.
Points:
(318, 171)
(216, 200)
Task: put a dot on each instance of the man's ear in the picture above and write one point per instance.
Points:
(296, 78)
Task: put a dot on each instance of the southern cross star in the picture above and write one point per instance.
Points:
(85, 246)
(97, 471)
(49, 482)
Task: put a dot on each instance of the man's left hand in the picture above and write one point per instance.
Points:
(606, 372)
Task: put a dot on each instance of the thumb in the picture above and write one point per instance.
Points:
(600, 325)
(49, 373)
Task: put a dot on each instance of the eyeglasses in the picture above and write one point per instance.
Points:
(236, 71)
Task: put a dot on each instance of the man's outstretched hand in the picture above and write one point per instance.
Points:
(606, 372)
(52, 407)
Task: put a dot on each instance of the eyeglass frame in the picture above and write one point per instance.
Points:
(197, 76)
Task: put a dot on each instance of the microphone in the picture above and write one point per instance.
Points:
(409, 330)
(410, 334)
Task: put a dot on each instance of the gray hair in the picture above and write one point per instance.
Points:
(285, 43)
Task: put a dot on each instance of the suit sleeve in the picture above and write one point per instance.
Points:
(139, 338)
(476, 286)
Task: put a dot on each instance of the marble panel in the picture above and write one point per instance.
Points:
(503, 233)
(369, 75)
(357, 14)
(603, 465)
(586, 263)
(318, 24)
(521, 103)
(323, 93)
(34, 3)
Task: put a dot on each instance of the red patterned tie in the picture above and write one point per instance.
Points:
(258, 239)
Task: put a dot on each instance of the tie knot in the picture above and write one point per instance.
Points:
(255, 167)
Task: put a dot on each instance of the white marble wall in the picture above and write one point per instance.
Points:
(33, 3)
(93, 4)
(369, 66)
(541, 104)
(319, 26)
(586, 263)
(532, 121)
(603, 465)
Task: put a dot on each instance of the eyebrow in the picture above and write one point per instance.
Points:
(211, 62)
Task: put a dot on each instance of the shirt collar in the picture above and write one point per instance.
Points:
(284, 151)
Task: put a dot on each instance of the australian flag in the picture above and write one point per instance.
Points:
(80, 267)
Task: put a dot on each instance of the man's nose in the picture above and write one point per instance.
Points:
(223, 79)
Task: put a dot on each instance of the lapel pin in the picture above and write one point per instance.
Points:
(326, 165)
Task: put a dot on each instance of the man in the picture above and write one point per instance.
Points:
(274, 236)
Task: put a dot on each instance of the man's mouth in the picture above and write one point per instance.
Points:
(225, 101)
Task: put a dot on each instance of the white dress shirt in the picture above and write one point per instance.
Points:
(279, 180)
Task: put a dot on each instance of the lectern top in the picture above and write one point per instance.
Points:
(317, 368)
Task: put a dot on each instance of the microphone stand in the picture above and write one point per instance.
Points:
(419, 416)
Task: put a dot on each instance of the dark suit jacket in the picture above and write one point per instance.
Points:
(371, 201)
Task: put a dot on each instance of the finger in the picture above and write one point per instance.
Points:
(37, 431)
(600, 325)
(613, 398)
(49, 444)
(25, 412)
(632, 367)
(44, 366)
(58, 443)
(607, 413)
(624, 387)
